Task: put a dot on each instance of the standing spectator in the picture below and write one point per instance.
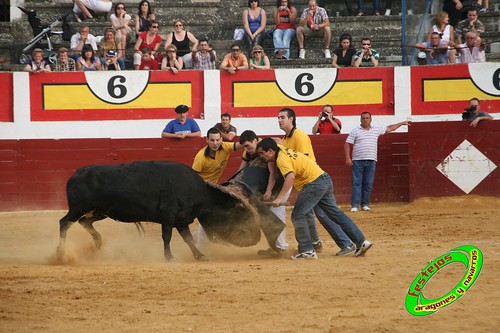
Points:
(181, 39)
(88, 61)
(227, 130)
(82, 7)
(343, 56)
(454, 9)
(361, 7)
(182, 127)
(148, 63)
(435, 50)
(364, 142)
(285, 16)
(347, 3)
(314, 21)
(471, 23)
(64, 63)
(37, 64)
(473, 114)
(171, 61)
(120, 21)
(254, 22)
(388, 6)
(150, 39)
(446, 32)
(327, 123)
(109, 43)
(111, 63)
(315, 190)
(80, 39)
(259, 59)
(234, 61)
(472, 50)
(205, 57)
(144, 17)
(366, 57)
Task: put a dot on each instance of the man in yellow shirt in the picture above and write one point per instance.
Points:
(315, 190)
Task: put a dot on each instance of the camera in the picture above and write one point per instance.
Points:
(324, 114)
(469, 112)
(282, 8)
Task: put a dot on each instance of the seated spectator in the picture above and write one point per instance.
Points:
(120, 21)
(259, 59)
(37, 64)
(181, 38)
(205, 57)
(150, 39)
(471, 23)
(472, 50)
(366, 57)
(64, 63)
(446, 32)
(80, 39)
(314, 22)
(144, 17)
(171, 61)
(473, 114)
(148, 63)
(227, 130)
(88, 60)
(435, 50)
(109, 43)
(285, 16)
(182, 127)
(327, 123)
(111, 63)
(343, 56)
(254, 23)
(361, 7)
(234, 61)
(82, 8)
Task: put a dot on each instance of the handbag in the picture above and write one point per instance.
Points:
(238, 34)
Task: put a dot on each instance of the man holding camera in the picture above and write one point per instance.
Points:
(472, 113)
(327, 123)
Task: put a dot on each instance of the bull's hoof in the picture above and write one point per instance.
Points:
(202, 258)
(98, 243)
(271, 253)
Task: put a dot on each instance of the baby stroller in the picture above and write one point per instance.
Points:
(41, 33)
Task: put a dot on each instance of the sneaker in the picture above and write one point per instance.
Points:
(483, 10)
(302, 54)
(318, 246)
(327, 53)
(346, 251)
(354, 209)
(365, 208)
(305, 255)
(361, 250)
(270, 253)
(387, 12)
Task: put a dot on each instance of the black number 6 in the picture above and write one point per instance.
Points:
(299, 85)
(113, 87)
(496, 79)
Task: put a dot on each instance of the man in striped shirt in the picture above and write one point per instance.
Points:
(364, 142)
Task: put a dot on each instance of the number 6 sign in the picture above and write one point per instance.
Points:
(117, 87)
(306, 85)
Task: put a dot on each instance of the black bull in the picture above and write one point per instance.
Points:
(168, 193)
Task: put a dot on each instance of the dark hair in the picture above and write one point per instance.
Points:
(204, 39)
(213, 130)
(290, 113)
(472, 9)
(149, 7)
(475, 99)
(248, 135)
(366, 38)
(250, 2)
(146, 50)
(437, 33)
(117, 4)
(366, 112)
(345, 36)
(235, 44)
(225, 114)
(85, 48)
(278, 3)
(329, 105)
(267, 143)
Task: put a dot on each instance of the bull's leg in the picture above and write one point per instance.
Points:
(86, 223)
(64, 225)
(166, 235)
(188, 238)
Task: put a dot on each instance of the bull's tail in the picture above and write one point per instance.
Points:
(140, 228)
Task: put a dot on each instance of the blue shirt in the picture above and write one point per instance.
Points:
(175, 127)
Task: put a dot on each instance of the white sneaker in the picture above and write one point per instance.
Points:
(302, 54)
(305, 255)
(387, 12)
(360, 250)
(365, 208)
(354, 209)
(327, 53)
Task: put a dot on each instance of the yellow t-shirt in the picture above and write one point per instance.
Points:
(304, 168)
(299, 141)
(211, 168)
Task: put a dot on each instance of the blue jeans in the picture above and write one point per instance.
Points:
(320, 193)
(339, 236)
(363, 174)
(281, 40)
(376, 6)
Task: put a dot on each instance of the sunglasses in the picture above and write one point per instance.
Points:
(257, 51)
(178, 25)
(235, 50)
(367, 44)
(155, 26)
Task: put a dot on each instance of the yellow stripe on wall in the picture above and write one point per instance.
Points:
(452, 90)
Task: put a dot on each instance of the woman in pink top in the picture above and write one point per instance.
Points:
(285, 17)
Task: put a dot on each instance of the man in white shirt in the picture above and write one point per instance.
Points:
(81, 38)
(472, 50)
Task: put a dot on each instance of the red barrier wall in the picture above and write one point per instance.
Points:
(6, 98)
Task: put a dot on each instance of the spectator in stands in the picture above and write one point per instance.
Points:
(148, 63)
(471, 23)
(182, 127)
(254, 22)
(80, 39)
(361, 7)
(453, 8)
(37, 64)
(181, 38)
(64, 63)
(327, 123)
(150, 39)
(234, 61)
(109, 43)
(472, 50)
(259, 59)
(314, 22)
(285, 16)
(171, 61)
(227, 130)
(205, 57)
(111, 63)
(366, 57)
(88, 61)
(144, 17)
(348, 5)
(473, 114)
(97, 7)
(435, 50)
(446, 32)
(120, 21)
(343, 56)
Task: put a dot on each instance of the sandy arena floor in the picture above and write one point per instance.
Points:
(128, 287)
